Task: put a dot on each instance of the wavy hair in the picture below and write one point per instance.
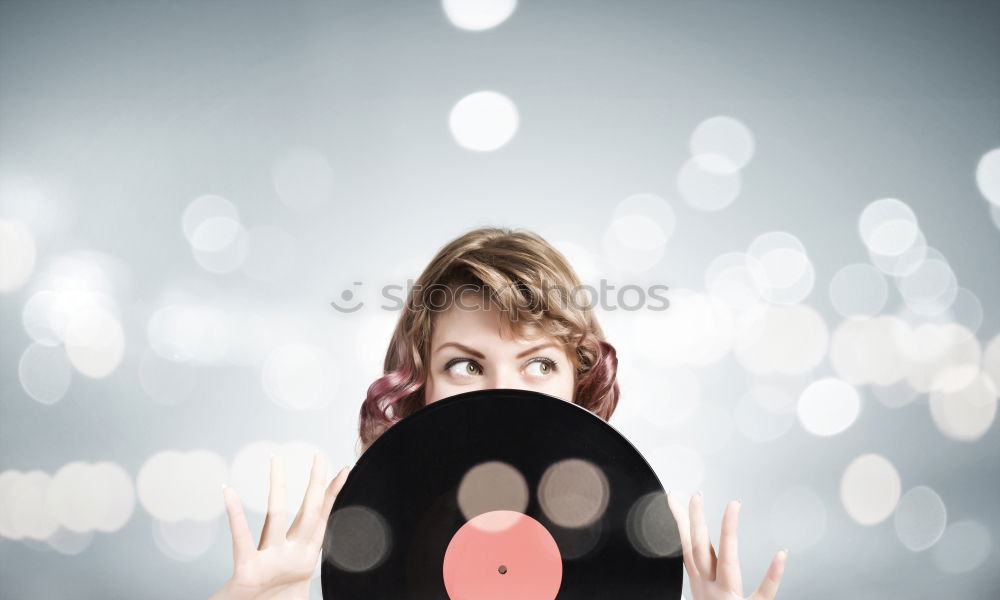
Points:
(521, 273)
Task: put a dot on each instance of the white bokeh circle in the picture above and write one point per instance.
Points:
(484, 121)
(478, 15)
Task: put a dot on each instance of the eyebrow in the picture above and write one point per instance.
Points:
(478, 354)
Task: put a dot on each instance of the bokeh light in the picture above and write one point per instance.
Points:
(705, 189)
(634, 242)
(964, 547)
(967, 309)
(858, 290)
(868, 350)
(250, 474)
(358, 539)
(988, 176)
(73, 305)
(220, 244)
(895, 395)
(991, 360)
(301, 376)
(25, 505)
(902, 264)
(483, 121)
(639, 232)
(828, 406)
(492, 485)
(732, 277)
(45, 372)
(17, 254)
(666, 396)
(87, 497)
(920, 518)
(930, 288)
(185, 540)
(173, 485)
(574, 492)
(870, 488)
(786, 274)
(930, 349)
(204, 208)
(781, 339)
(68, 542)
(478, 15)
(94, 341)
(722, 145)
(584, 262)
(963, 402)
(45, 203)
(888, 227)
(372, 339)
(651, 528)
(181, 333)
(695, 330)
(8, 528)
(682, 466)
(303, 180)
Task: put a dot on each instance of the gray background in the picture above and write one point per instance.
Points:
(133, 109)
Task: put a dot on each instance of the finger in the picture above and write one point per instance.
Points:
(728, 569)
(319, 530)
(276, 521)
(684, 532)
(242, 538)
(701, 546)
(312, 500)
(772, 579)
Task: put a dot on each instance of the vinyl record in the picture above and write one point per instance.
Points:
(501, 494)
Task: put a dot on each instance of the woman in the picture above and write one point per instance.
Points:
(494, 309)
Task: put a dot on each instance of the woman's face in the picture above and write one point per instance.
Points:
(473, 350)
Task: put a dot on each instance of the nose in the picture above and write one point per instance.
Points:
(506, 378)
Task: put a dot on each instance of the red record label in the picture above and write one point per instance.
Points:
(502, 554)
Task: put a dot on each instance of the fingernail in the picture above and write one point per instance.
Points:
(739, 501)
(270, 456)
(786, 552)
(223, 487)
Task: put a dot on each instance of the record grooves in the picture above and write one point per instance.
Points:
(536, 498)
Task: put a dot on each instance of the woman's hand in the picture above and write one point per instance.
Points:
(282, 564)
(719, 578)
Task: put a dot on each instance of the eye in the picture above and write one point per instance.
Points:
(471, 367)
(545, 366)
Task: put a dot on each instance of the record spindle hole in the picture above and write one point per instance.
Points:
(502, 569)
